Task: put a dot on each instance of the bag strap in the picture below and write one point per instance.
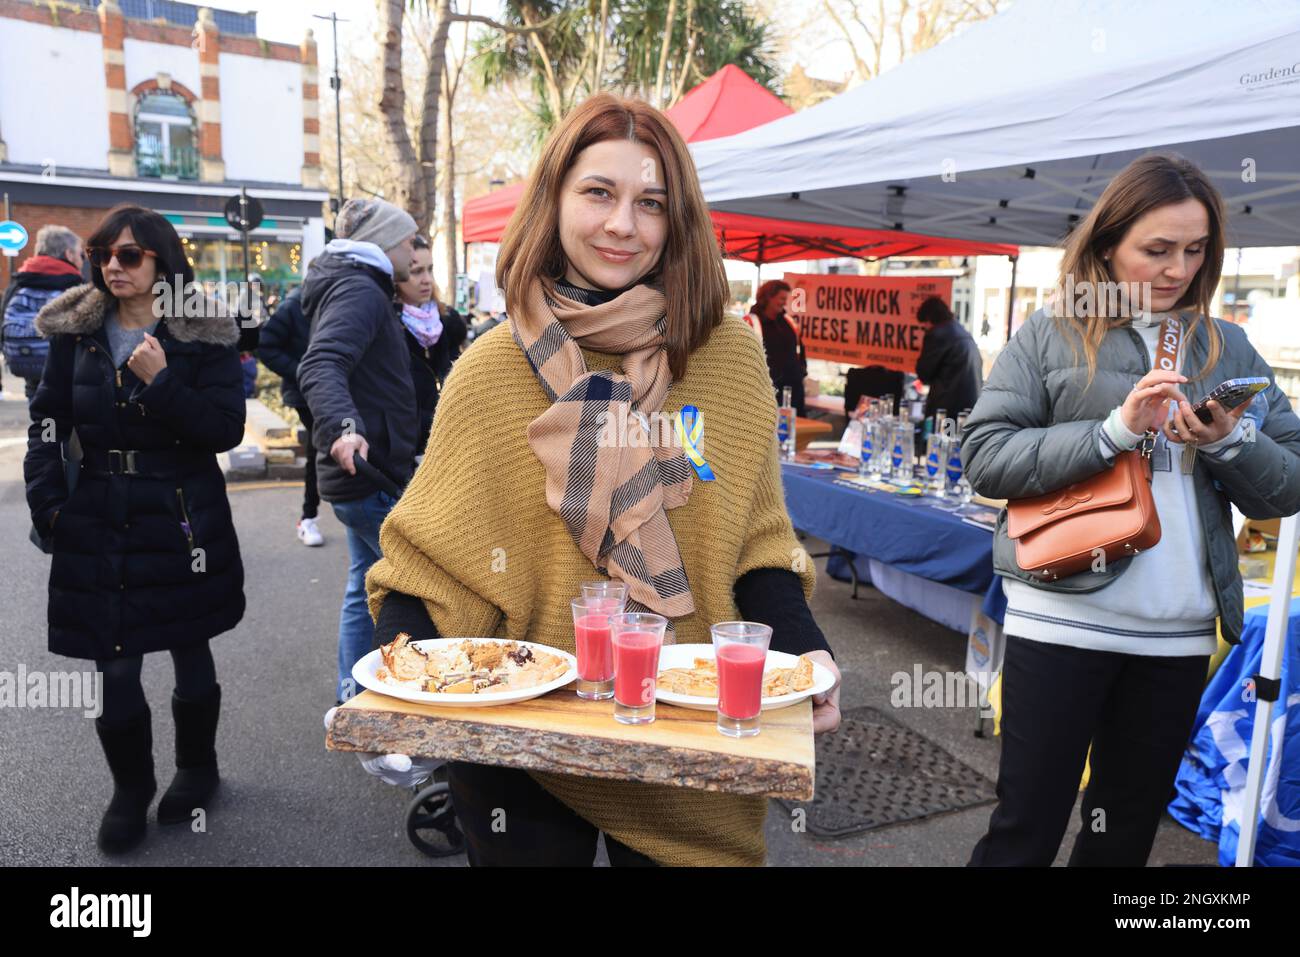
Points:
(1169, 344)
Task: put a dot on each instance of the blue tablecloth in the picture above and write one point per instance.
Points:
(907, 533)
(1212, 779)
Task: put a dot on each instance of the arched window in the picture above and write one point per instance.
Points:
(166, 137)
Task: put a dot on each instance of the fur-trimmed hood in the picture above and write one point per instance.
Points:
(80, 311)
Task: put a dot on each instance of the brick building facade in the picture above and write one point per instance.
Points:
(99, 106)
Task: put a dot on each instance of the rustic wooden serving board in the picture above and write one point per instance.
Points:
(560, 732)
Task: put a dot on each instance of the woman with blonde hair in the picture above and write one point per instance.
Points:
(615, 290)
(1115, 656)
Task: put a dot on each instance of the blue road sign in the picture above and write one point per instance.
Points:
(12, 235)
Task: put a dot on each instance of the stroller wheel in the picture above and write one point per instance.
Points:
(431, 822)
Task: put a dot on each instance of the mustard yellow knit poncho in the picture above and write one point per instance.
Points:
(473, 537)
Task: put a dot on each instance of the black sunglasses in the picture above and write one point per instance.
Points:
(128, 256)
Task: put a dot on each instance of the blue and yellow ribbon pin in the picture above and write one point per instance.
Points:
(690, 429)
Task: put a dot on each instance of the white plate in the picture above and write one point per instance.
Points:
(366, 670)
(683, 656)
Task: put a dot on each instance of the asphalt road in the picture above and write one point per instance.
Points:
(288, 801)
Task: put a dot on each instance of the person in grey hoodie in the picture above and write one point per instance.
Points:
(356, 379)
(1116, 657)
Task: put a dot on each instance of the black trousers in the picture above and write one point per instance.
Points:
(123, 698)
(510, 820)
(310, 496)
(1136, 710)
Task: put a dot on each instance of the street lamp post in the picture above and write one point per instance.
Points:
(336, 84)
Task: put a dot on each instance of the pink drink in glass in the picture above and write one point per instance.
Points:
(741, 651)
(636, 669)
(637, 639)
(740, 680)
(595, 653)
(591, 638)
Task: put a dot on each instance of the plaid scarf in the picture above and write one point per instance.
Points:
(612, 496)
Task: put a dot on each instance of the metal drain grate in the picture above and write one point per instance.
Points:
(874, 772)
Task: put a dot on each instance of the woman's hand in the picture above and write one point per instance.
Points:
(826, 707)
(1146, 407)
(1184, 426)
(147, 360)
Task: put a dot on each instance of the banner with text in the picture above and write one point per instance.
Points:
(863, 320)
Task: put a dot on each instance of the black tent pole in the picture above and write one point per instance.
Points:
(1011, 295)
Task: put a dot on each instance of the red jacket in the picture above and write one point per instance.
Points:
(49, 266)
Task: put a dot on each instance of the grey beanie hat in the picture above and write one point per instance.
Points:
(374, 221)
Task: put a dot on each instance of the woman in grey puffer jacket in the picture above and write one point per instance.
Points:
(1116, 656)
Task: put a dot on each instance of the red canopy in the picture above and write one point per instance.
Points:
(758, 240)
(483, 218)
(729, 102)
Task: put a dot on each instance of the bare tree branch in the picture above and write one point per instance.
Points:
(548, 70)
(691, 37)
(599, 69)
(531, 28)
(864, 70)
(392, 107)
(663, 52)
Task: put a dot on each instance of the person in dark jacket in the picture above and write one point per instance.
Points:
(434, 334)
(145, 553)
(787, 362)
(949, 363)
(54, 269)
(282, 344)
(356, 378)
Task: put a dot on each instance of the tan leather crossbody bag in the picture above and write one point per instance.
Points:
(1112, 513)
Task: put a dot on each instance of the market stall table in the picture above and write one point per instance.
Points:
(562, 733)
(921, 556)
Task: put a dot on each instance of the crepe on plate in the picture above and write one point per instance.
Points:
(702, 680)
(469, 666)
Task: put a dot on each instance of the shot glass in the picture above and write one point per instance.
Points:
(591, 639)
(637, 639)
(607, 589)
(741, 651)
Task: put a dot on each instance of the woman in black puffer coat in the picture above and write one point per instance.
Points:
(145, 553)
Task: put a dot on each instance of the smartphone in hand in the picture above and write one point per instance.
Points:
(1230, 394)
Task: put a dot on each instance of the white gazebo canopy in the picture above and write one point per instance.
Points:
(1009, 131)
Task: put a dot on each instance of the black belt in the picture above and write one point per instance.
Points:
(146, 463)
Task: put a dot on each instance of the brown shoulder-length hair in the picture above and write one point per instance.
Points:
(767, 292)
(1147, 183)
(690, 269)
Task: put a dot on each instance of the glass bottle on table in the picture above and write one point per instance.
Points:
(936, 462)
(903, 456)
(867, 451)
(785, 424)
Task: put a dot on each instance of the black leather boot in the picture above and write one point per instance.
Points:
(129, 749)
(196, 757)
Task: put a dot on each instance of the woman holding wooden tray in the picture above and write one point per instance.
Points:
(541, 473)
